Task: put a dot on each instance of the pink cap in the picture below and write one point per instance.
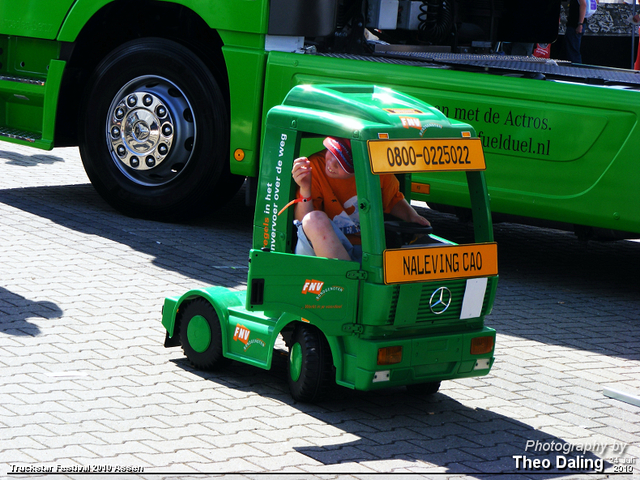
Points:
(341, 149)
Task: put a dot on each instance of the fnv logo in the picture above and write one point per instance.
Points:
(242, 334)
(411, 122)
(312, 286)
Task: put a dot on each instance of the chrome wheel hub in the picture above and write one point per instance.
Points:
(150, 130)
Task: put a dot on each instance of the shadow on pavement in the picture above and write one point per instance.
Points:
(553, 288)
(559, 290)
(395, 424)
(15, 310)
(207, 249)
(14, 158)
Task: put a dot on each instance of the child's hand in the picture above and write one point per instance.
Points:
(301, 174)
(404, 211)
(420, 220)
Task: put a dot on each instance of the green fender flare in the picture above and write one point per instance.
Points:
(335, 345)
(221, 299)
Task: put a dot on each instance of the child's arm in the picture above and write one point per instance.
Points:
(301, 174)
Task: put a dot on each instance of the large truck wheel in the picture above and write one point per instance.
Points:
(154, 132)
(310, 370)
(201, 335)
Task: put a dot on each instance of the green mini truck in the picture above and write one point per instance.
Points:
(410, 314)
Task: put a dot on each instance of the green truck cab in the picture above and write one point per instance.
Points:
(409, 314)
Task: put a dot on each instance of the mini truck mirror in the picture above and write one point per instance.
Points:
(409, 315)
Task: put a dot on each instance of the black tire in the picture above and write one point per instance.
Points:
(154, 132)
(201, 335)
(428, 388)
(310, 373)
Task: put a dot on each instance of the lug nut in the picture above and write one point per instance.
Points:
(150, 161)
(147, 100)
(132, 100)
(134, 162)
(120, 113)
(121, 150)
(163, 149)
(115, 132)
(161, 111)
(167, 130)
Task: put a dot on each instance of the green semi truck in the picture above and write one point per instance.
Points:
(166, 99)
(410, 314)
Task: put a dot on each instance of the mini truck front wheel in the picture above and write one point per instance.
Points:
(310, 369)
(201, 335)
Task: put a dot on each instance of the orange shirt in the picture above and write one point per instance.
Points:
(338, 199)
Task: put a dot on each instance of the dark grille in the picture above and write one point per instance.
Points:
(425, 316)
(452, 313)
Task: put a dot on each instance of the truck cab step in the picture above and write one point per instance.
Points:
(29, 81)
(22, 135)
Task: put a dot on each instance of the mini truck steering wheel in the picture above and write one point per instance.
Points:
(398, 233)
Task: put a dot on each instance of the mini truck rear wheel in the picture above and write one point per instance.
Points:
(310, 368)
(201, 335)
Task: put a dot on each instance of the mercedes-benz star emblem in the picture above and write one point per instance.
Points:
(440, 300)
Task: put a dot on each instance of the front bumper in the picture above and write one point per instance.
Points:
(424, 359)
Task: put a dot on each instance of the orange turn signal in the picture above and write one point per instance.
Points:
(481, 345)
(389, 355)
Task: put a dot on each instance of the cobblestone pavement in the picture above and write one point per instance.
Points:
(86, 382)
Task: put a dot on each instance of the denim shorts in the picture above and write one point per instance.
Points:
(304, 247)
